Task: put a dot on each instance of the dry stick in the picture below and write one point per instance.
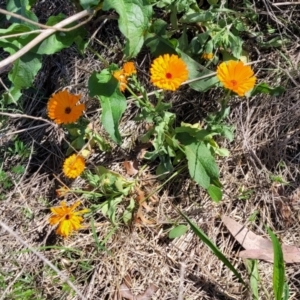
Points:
(285, 3)
(6, 12)
(3, 134)
(43, 36)
(43, 258)
(27, 117)
(20, 34)
(181, 283)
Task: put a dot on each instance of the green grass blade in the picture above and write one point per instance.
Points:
(204, 238)
(286, 292)
(278, 269)
(252, 268)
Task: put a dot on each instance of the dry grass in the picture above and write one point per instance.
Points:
(266, 143)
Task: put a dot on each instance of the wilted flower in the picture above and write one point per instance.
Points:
(73, 166)
(129, 68)
(207, 56)
(67, 218)
(120, 76)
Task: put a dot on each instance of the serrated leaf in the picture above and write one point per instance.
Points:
(178, 231)
(109, 208)
(113, 102)
(134, 16)
(201, 164)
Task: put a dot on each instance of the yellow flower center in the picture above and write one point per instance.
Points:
(68, 110)
(169, 75)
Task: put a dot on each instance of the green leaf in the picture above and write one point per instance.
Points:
(88, 3)
(195, 71)
(215, 193)
(21, 7)
(59, 40)
(24, 70)
(18, 169)
(12, 45)
(22, 74)
(205, 239)
(127, 215)
(286, 292)
(134, 17)
(212, 2)
(178, 231)
(109, 208)
(201, 164)
(275, 42)
(278, 267)
(157, 40)
(113, 102)
(264, 88)
(202, 17)
(252, 268)
(236, 44)
(12, 96)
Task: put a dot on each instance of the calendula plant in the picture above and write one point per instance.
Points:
(106, 190)
(190, 58)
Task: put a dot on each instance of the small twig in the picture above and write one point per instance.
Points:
(5, 87)
(6, 12)
(27, 117)
(20, 34)
(181, 283)
(43, 258)
(285, 3)
(44, 35)
(22, 130)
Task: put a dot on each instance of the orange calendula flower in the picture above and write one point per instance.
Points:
(120, 76)
(73, 166)
(129, 68)
(236, 77)
(63, 109)
(207, 56)
(67, 218)
(168, 72)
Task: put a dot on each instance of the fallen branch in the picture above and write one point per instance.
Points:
(46, 33)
